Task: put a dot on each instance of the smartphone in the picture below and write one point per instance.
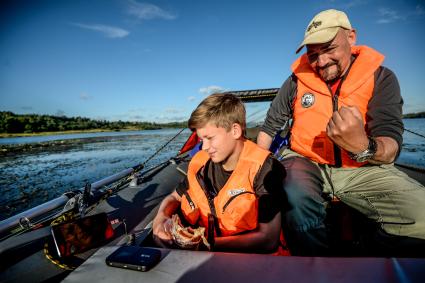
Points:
(81, 235)
(134, 257)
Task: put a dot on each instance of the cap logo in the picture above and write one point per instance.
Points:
(314, 25)
(307, 100)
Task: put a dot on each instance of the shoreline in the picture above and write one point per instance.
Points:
(60, 144)
(19, 135)
(7, 150)
(52, 146)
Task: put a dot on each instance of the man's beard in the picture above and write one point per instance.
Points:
(330, 74)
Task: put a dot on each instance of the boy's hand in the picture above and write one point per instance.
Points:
(162, 231)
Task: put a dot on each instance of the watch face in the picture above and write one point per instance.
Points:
(367, 154)
(364, 158)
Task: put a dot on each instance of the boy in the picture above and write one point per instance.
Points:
(232, 186)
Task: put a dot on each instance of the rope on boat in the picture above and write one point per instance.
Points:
(55, 261)
(66, 217)
(141, 166)
(412, 132)
(118, 186)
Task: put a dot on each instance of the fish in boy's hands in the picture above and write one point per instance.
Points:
(186, 237)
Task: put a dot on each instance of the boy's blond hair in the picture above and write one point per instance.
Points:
(220, 109)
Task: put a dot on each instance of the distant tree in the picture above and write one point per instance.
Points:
(13, 123)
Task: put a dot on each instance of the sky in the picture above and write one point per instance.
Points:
(155, 61)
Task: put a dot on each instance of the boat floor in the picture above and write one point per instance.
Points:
(198, 266)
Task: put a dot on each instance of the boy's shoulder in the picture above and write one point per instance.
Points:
(198, 160)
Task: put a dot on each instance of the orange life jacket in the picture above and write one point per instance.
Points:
(308, 133)
(236, 204)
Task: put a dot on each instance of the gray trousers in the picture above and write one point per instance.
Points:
(381, 192)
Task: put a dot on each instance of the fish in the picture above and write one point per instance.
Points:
(187, 237)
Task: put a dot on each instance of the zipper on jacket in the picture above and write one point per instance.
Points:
(210, 199)
(189, 199)
(232, 198)
(337, 149)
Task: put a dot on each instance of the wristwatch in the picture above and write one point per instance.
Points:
(367, 153)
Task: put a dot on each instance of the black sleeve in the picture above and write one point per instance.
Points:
(281, 108)
(182, 187)
(384, 114)
(268, 185)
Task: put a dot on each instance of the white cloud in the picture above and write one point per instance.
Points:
(108, 31)
(352, 4)
(85, 96)
(191, 98)
(138, 118)
(173, 110)
(419, 10)
(169, 119)
(341, 5)
(141, 114)
(388, 15)
(147, 11)
(60, 113)
(211, 89)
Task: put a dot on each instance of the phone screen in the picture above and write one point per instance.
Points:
(82, 234)
(134, 257)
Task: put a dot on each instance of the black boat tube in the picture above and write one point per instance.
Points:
(25, 219)
(28, 218)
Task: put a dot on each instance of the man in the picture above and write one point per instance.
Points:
(346, 132)
(232, 186)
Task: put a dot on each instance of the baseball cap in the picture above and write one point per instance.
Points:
(324, 27)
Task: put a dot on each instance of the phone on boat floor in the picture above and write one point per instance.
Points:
(134, 257)
(82, 234)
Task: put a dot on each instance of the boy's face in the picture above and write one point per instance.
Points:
(219, 143)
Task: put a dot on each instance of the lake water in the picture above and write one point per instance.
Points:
(29, 179)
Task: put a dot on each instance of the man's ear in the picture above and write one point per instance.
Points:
(236, 130)
(352, 37)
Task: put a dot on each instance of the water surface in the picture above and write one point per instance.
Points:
(29, 179)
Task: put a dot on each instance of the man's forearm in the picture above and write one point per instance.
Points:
(264, 140)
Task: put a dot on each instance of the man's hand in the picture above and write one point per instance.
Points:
(346, 129)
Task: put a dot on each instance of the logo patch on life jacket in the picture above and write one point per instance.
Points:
(307, 100)
(235, 192)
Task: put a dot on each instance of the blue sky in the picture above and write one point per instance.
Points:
(156, 60)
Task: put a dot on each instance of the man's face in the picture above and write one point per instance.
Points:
(331, 60)
(217, 142)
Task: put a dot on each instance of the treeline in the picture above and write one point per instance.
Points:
(414, 115)
(33, 123)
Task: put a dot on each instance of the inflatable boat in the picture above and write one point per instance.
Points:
(29, 251)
